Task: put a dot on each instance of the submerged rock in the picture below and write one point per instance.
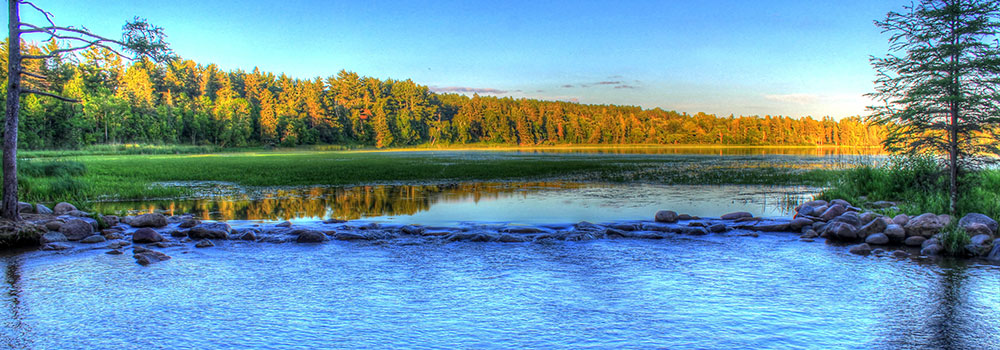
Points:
(861, 249)
(878, 239)
(52, 237)
(285, 224)
(189, 223)
(349, 236)
(914, 241)
(55, 246)
(736, 215)
(931, 250)
(309, 236)
(210, 230)
(205, 243)
(147, 256)
(94, 239)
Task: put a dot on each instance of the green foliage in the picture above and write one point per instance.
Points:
(101, 224)
(919, 184)
(954, 240)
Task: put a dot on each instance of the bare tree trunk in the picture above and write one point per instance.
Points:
(953, 160)
(9, 210)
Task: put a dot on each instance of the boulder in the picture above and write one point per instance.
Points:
(94, 239)
(210, 230)
(867, 217)
(52, 237)
(842, 231)
(931, 250)
(873, 227)
(895, 233)
(840, 202)
(55, 246)
(804, 210)
(974, 222)
(877, 239)
(204, 244)
(146, 256)
(833, 212)
(929, 241)
(798, 223)
(53, 225)
(944, 219)
(146, 235)
(149, 220)
(686, 217)
(981, 240)
(717, 227)
(248, 235)
(24, 207)
(925, 225)
(914, 241)
(666, 216)
(78, 213)
(861, 249)
(994, 254)
(736, 215)
(901, 219)
(111, 220)
(63, 208)
(817, 211)
(349, 236)
(899, 254)
(285, 224)
(412, 230)
(849, 217)
(76, 229)
(809, 234)
(309, 236)
(815, 204)
(189, 223)
(41, 209)
(506, 238)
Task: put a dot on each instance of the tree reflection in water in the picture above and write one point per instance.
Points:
(344, 203)
(14, 334)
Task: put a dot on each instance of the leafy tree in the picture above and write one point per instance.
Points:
(937, 87)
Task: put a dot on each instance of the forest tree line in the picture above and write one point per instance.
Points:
(186, 102)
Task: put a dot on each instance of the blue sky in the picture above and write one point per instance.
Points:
(780, 57)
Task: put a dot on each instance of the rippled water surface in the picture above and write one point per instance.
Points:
(683, 292)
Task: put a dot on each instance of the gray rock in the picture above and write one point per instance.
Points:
(55, 246)
(914, 241)
(522, 230)
(867, 217)
(833, 212)
(178, 233)
(667, 216)
(944, 219)
(878, 239)
(94, 239)
(149, 220)
(901, 219)
(146, 235)
(981, 240)
(285, 224)
(973, 250)
(842, 231)
(309, 236)
(24, 207)
(349, 236)
(816, 203)
(804, 210)
(929, 241)
(717, 227)
(205, 243)
(925, 225)
(861, 249)
(248, 236)
(78, 213)
(736, 215)
(694, 231)
(798, 223)
(809, 234)
(820, 210)
(994, 254)
(685, 217)
(111, 220)
(52, 237)
(189, 223)
(413, 230)
(76, 229)
(63, 208)
(975, 229)
(53, 225)
(146, 256)
(849, 217)
(511, 239)
(210, 230)
(41, 209)
(840, 202)
(114, 252)
(895, 233)
(899, 254)
(873, 227)
(931, 250)
(976, 218)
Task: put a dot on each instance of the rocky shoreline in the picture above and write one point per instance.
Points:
(65, 228)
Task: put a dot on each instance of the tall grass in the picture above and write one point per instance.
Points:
(919, 184)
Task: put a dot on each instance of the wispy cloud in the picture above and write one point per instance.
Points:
(626, 86)
(465, 89)
(567, 86)
(802, 99)
(608, 82)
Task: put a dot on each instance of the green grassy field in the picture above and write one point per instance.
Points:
(99, 176)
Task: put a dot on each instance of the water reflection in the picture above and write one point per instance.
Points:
(11, 298)
(702, 150)
(525, 202)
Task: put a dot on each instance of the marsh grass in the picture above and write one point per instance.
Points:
(138, 176)
(954, 239)
(919, 184)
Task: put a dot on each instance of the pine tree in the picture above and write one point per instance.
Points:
(938, 85)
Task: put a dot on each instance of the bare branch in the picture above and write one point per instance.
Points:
(42, 93)
(33, 75)
(47, 14)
